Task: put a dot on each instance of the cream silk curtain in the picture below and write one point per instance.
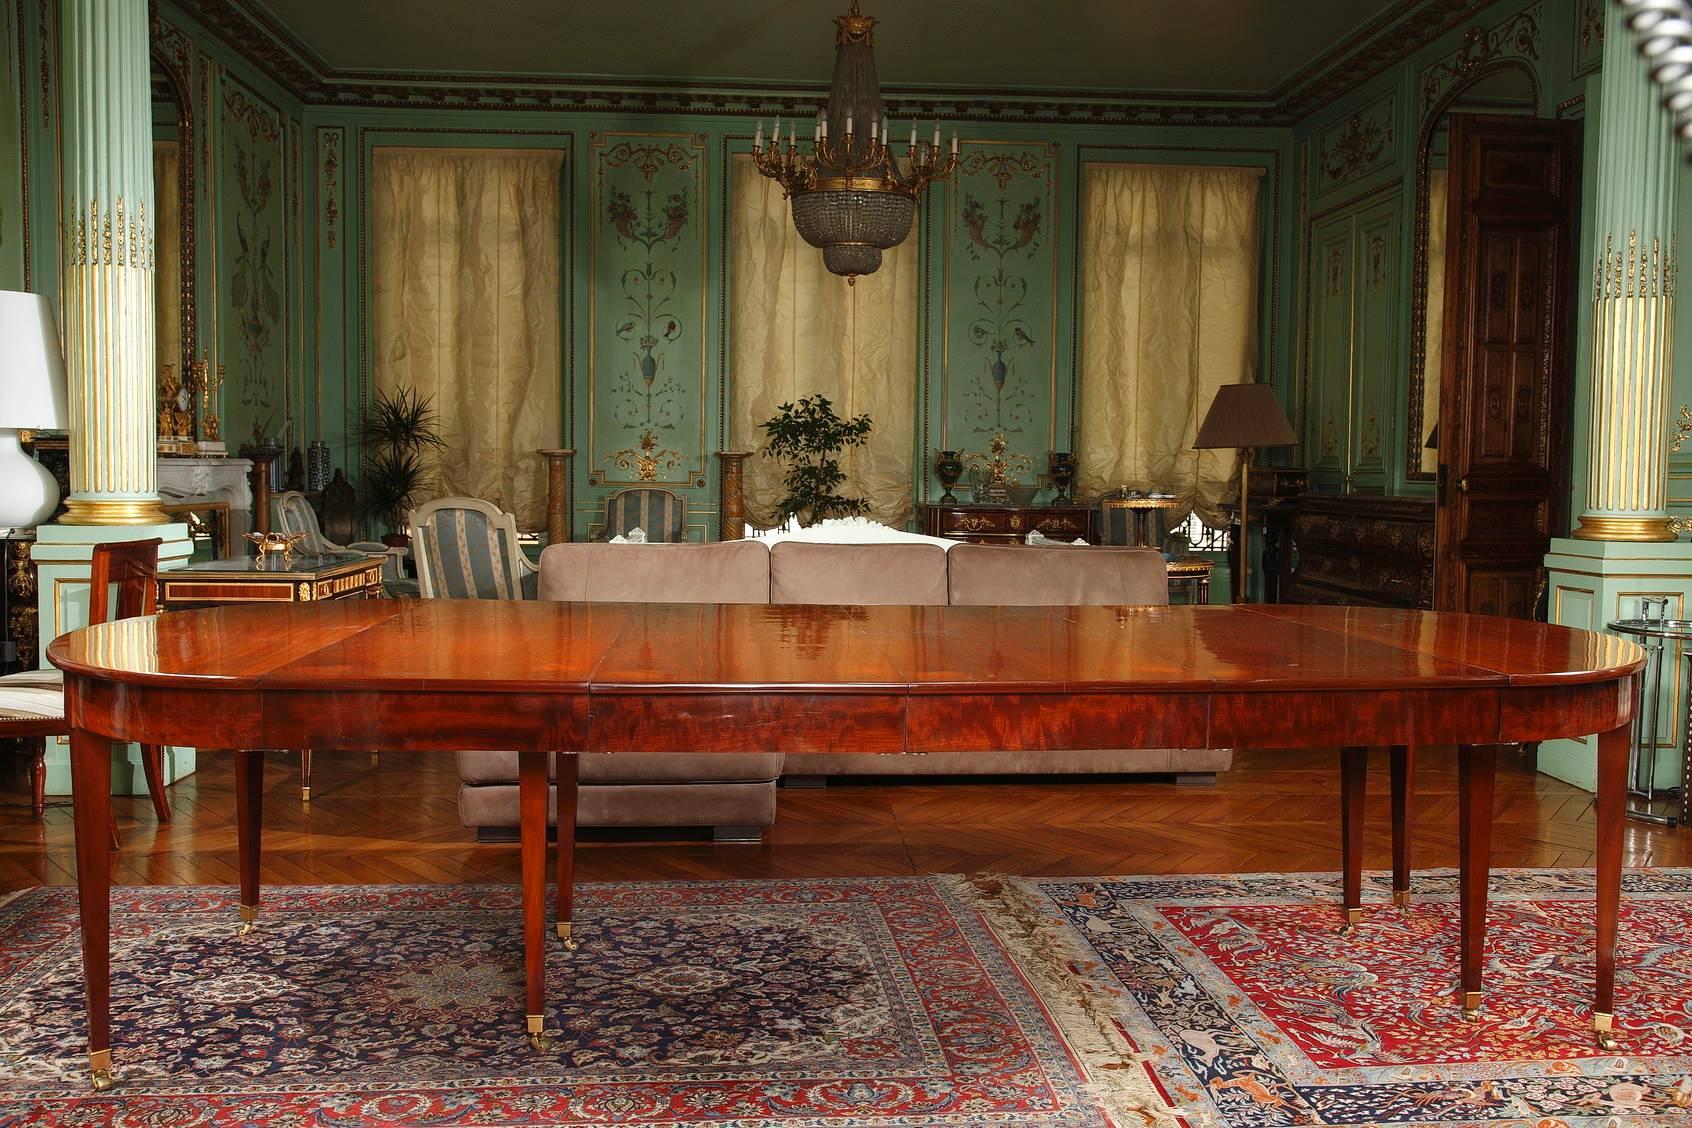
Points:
(797, 330)
(1433, 355)
(465, 308)
(167, 254)
(1169, 269)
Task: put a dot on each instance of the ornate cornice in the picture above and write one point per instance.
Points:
(1402, 29)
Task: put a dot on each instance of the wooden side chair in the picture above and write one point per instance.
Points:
(123, 584)
(467, 548)
(660, 514)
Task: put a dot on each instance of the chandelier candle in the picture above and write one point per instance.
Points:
(856, 196)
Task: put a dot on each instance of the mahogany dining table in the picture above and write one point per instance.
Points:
(553, 679)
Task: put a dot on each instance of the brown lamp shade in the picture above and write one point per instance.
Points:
(1244, 415)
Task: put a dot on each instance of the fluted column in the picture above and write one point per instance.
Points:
(1632, 302)
(107, 187)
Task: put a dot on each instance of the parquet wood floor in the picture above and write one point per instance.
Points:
(398, 822)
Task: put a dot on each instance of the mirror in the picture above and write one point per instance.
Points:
(173, 259)
(1508, 87)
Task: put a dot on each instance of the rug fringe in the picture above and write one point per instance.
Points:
(1047, 953)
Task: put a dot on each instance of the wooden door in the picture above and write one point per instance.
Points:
(1508, 360)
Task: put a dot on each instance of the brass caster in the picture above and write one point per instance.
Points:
(1603, 1030)
(1401, 898)
(249, 921)
(564, 935)
(537, 1034)
(1353, 919)
(1471, 1006)
(100, 1070)
(305, 794)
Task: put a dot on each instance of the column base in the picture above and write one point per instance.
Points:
(1596, 527)
(1593, 583)
(114, 511)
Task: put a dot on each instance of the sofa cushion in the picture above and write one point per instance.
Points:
(723, 572)
(633, 804)
(1022, 576)
(858, 575)
(633, 767)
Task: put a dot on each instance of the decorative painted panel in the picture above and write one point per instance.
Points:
(1357, 146)
(646, 309)
(251, 263)
(1588, 35)
(12, 233)
(1000, 296)
(1327, 440)
(1519, 38)
(1376, 355)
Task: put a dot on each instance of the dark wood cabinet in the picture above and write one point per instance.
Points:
(1364, 550)
(1006, 524)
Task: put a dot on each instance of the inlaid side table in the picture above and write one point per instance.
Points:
(253, 579)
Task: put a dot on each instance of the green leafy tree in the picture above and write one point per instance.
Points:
(808, 436)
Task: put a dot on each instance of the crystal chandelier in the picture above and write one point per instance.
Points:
(853, 196)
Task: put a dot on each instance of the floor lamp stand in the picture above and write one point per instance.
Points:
(1242, 591)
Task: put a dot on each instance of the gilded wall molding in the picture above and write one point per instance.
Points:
(1358, 146)
(329, 158)
(1518, 37)
(111, 236)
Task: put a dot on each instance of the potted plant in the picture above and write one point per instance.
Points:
(397, 432)
(809, 437)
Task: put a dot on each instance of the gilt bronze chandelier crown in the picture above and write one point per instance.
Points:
(853, 195)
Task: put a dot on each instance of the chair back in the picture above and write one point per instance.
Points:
(466, 548)
(130, 569)
(660, 514)
(294, 514)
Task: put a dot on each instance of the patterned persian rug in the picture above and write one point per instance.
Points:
(1249, 1008)
(785, 1004)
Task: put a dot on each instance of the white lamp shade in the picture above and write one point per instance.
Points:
(32, 369)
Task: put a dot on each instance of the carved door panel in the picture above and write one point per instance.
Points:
(1327, 415)
(1508, 364)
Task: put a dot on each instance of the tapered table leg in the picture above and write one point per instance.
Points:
(566, 773)
(1612, 809)
(1403, 788)
(152, 766)
(531, 823)
(249, 827)
(91, 796)
(305, 775)
(1477, 766)
(1354, 779)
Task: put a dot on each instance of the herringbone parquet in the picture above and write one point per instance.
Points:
(398, 822)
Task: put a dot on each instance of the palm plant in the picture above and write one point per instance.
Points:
(399, 428)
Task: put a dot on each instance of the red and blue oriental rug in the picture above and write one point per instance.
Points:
(1222, 1002)
(779, 1004)
(1249, 1008)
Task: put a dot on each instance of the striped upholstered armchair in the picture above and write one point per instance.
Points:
(467, 548)
(660, 514)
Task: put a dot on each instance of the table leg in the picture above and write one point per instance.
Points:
(249, 827)
(1613, 747)
(1403, 786)
(91, 796)
(531, 822)
(566, 773)
(1477, 765)
(305, 775)
(1354, 778)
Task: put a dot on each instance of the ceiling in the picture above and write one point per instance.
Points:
(1215, 48)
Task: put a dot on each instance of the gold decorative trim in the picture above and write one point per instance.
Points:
(114, 511)
(111, 238)
(1637, 529)
(330, 141)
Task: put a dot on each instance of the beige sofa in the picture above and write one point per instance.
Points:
(735, 794)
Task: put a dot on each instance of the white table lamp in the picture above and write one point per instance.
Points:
(32, 394)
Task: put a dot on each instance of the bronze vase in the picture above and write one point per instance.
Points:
(1060, 464)
(948, 467)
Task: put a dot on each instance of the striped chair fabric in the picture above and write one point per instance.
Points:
(661, 514)
(33, 695)
(467, 549)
